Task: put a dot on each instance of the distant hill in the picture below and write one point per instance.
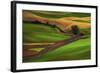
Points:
(63, 23)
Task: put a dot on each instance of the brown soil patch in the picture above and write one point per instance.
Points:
(28, 53)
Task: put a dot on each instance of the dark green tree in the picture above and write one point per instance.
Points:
(75, 29)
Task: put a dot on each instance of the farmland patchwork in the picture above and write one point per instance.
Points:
(56, 36)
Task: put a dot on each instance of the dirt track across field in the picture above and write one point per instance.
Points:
(54, 46)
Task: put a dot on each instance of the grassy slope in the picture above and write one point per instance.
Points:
(53, 14)
(41, 33)
(82, 21)
(77, 50)
(66, 21)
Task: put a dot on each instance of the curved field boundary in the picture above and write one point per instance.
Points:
(55, 46)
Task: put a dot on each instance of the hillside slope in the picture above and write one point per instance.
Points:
(64, 23)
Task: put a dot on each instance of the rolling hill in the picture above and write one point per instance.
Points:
(42, 28)
(63, 23)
